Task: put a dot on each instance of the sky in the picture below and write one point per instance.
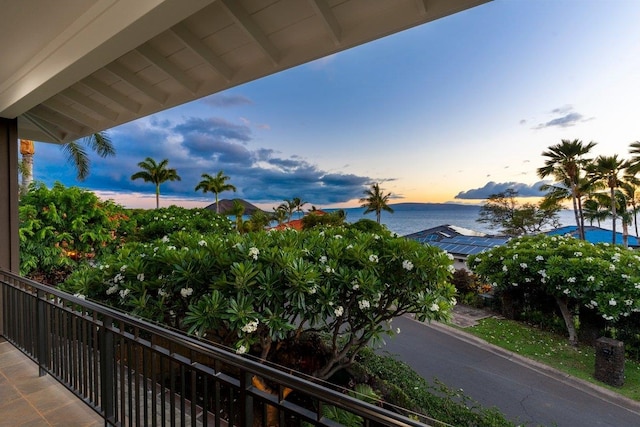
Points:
(451, 111)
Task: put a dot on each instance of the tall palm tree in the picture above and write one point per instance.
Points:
(289, 206)
(609, 170)
(630, 189)
(279, 214)
(298, 204)
(376, 201)
(157, 173)
(238, 210)
(215, 184)
(565, 162)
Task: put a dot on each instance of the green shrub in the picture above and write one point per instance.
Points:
(151, 224)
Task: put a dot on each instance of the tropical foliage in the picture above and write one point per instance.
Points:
(376, 201)
(263, 293)
(578, 275)
(216, 185)
(156, 173)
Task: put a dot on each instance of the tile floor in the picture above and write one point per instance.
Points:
(27, 399)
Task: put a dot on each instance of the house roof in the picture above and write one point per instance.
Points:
(71, 68)
(457, 240)
(594, 235)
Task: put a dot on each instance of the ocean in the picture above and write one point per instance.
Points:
(409, 218)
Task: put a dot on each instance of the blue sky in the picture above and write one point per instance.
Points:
(451, 111)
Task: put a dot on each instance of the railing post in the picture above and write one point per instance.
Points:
(41, 321)
(107, 370)
(246, 400)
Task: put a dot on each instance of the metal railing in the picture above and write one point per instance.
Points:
(135, 373)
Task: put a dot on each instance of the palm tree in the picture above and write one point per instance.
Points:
(157, 173)
(594, 211)
(215, 184)
(289, 206)
(565, 162)
(77, 154)
(376, 201)
(280, 214)
(609, 170)
(298, 204)
(238, 210)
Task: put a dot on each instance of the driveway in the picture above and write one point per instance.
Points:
(525, 391)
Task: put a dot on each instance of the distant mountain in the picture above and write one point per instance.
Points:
(227, 204)
(410, 206)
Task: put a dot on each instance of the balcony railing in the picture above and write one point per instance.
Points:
(133, 372)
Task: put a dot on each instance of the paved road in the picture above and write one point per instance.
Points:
(529, 394)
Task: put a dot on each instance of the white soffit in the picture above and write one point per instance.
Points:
(74, 67)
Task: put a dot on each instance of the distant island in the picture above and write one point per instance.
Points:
(226, 205)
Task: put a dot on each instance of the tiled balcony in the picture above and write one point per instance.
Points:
(27, 399)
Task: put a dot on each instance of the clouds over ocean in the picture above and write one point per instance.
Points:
(491, 187)
(197, 145)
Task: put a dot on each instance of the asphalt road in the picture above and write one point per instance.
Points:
(529, 394)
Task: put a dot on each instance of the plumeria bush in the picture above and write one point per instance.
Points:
(268, 293)
(154, 224)
(575, 273)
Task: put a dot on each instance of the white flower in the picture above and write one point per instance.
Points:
(364, 304)
(505, 268)
(571, 280)
(566, 292)
(202, 243)
(628, 302)
(349, 246)
(449, 256)
(612, 302)
(171, 248)
(250, 327)
(539, 258)
(434, 307)
(407, 265)
(155, 249)
(355, 286)
(453, 301)
(185, 292)
(112, 290)
(373, 258)
(254, 252)
(162, 293)
(337, 236)
(323, 259)
(398, 331)
(313, 290)
(605, 317)
(124, 293)
(338, 311)
(591, 279)
(612, 267)
(329, 270)
(451, 269)
(515, 256)
(577, 254)
(594, 303)
(165, 239)
(515, 285)
(140, 277)
(123, 268)
(523, 265)
(79, 295)
(375, 236)
(241, 350)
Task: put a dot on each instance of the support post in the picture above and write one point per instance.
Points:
(9, 243)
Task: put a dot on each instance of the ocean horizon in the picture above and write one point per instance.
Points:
(409, 218)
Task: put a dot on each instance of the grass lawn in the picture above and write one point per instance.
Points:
(553, 350)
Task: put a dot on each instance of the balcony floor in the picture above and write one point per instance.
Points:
(27, 399)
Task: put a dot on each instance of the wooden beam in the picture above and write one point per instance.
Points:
(71, 113)
(47, 128)
(137, 82)
(62, 121)
(171, 69)
(248, 25)
(112, 94)
(202, 50)
(92, 105)
(328, 19)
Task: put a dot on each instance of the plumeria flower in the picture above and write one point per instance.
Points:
(250, 327)
(254, 252)
(566, 292)
(407, 265)
(241, 350)
(523, 265)
(123, 268)
(363, 304)
(112, 290)
(165, 239)
(539, 258)
(162, 293)
(571, 280)
(186, 292)
(434, 307)
(140, 277)
(323, 259)
(397, 330)
(591, 279)
(124, 293)
(505, 268)
(338, 311)
(202, 243)
(373, 258)
(612, 302)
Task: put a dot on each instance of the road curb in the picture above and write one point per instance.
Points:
(577, 383)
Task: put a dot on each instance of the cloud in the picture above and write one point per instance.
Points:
(195, 146)
(491, 187)
(226, 100)
(567, 118)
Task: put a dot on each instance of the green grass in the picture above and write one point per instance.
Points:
(553, 350)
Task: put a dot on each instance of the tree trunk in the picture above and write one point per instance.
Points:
(625, 233)
(568, 320)
(157, 196)
(613, 215)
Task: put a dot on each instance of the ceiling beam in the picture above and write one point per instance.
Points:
(328, 19)
(248, 25)
(423, 6)
(112, 94)
(89, 103)
(61, 121)
(138, 83)
(198, 47)
(71, 113)
(171, 69)
(48, 129)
